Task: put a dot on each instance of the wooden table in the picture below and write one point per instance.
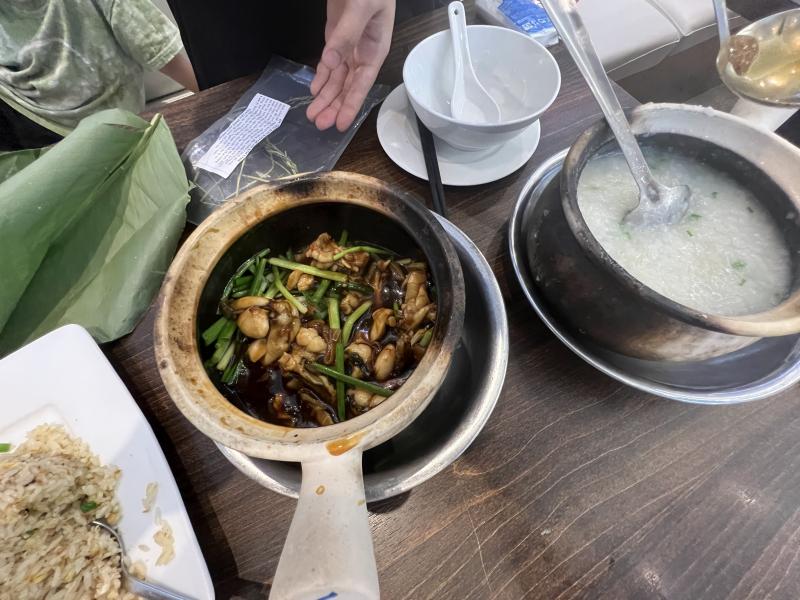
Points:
(577, 487)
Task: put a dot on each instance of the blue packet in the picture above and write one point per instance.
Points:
(528, 16)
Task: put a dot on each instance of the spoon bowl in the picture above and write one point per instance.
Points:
(673, 202)
(658, 204)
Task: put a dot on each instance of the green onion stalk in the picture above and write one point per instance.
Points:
(364, 385)
(426, 339)
(351, 249)
(244, 267)
(211, 334)
(295, 266)
(351, 321)
(320, 291)
(335, 323)
(258, 278)
(224, 341)
(293, 300)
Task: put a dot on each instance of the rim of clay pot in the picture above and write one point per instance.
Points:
(782, 319)
(176, 344)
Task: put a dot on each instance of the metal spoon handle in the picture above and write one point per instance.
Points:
(573, 33)
(721, 12)
(152, 592)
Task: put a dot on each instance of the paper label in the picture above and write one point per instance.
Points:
(261, 117)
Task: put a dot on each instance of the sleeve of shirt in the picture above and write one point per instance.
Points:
(144, 32)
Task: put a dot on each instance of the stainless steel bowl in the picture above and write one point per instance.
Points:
(453, 418)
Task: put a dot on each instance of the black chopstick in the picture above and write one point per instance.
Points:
(432, 166)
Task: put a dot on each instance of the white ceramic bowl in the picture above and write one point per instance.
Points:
(520, 74)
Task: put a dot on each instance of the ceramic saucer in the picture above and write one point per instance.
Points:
(397, 132)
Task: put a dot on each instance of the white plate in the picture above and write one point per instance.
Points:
(399, 137)
(63, 378)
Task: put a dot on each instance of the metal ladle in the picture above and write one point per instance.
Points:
(143, 589)
(762, 61)
(658, 204)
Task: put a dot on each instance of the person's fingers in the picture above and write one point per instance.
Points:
(346, 34)
(328, 93)
(355, 93)
(327, 118)
(320, 79)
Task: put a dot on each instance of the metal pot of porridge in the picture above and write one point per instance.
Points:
(592, 294)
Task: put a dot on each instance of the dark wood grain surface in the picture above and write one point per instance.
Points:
(578, 487)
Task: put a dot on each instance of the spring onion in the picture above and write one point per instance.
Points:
(223, 342)
(293, 300)
(365, 385)
(335, 322)
(87, 506)
(426, 339)
(244, 267)
(343, 237)
(321, 289)
(272, 291)
(258, 278)
(295, 266)
(226, 357)
(356, 287)
(351, 321)
(370, 249)
(211, 334)
(227, 332)
(231, 374)
(5, 447)
(217, 356)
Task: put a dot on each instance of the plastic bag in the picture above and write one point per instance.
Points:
(297, 146)
(526, 16)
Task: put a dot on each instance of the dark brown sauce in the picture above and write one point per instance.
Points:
(264, 393)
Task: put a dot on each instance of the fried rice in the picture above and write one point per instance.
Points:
(51, 487)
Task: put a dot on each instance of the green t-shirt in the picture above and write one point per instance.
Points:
(61, 60)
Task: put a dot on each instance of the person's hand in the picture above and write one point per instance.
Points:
(357, 38)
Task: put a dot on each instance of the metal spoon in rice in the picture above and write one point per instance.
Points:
(658, 204)
(133, 584)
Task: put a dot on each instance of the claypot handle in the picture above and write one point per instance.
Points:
(328, 551)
